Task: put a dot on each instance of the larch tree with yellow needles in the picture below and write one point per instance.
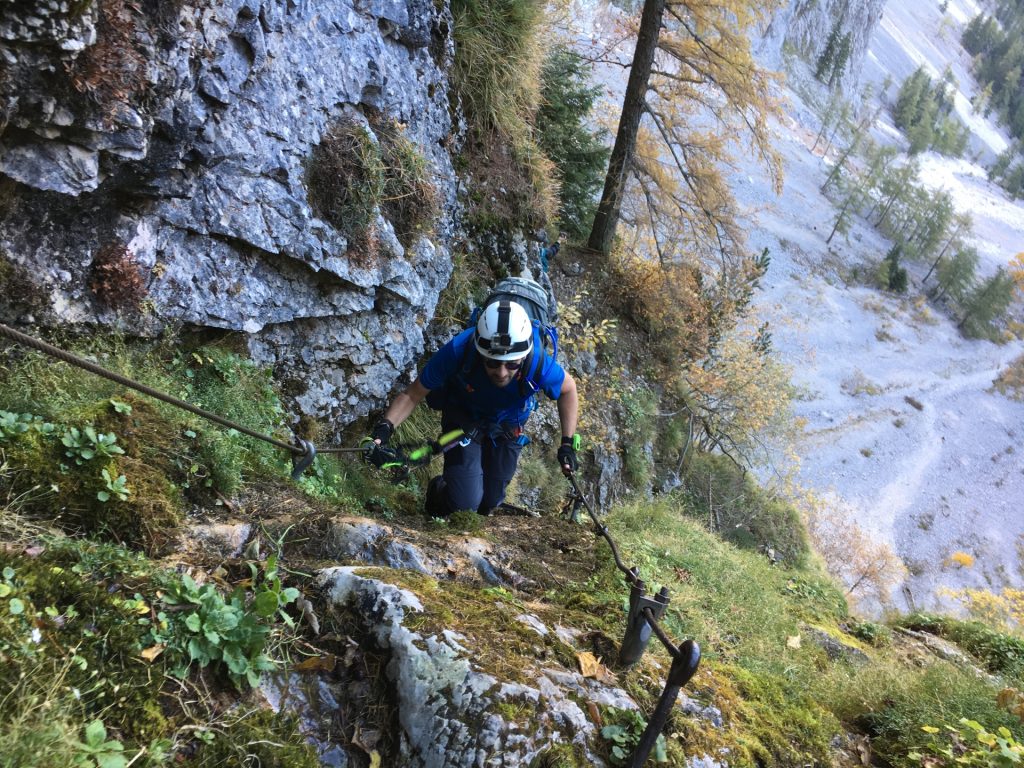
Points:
(694, 96)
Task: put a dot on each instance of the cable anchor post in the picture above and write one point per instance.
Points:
(638, 629)
(684, 667)
(302, 462)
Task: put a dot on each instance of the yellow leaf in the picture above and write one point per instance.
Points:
(793, 641)
(375, 759)
(929, 729)
(150, 654)
(589, 664)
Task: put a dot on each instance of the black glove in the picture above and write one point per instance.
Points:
(567, 453)
(383, 430)
(379, 455)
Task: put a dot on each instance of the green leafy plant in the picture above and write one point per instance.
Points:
(624, 735)
(86, 444)
(969, 745)
(97, 751)
(123, 408)
(232, 630)
(115, 487)
(14, 424)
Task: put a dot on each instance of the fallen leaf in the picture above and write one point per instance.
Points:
(589, 663)
(793, 641)
(595, 713)
(591, 666)
(1007, 696)
(375, 759)
(324, 663)
(150, 654)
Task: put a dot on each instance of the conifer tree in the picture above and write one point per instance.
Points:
(578, 153)
(842, 57)
(956, 274)
(671, 162)
(827, 59)
(987, 303)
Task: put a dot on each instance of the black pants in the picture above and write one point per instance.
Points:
(476, 475)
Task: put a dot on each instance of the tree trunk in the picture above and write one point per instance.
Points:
(633, 104)
(842, 215)
(941, 254)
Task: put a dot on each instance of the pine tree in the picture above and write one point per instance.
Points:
(578, 153)
(986, 304)
(842, 57)
(896, 276)
(956, 274)
(827, 59)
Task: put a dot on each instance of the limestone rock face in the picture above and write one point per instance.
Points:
(805, 26)
(449, 711)
(181, 134)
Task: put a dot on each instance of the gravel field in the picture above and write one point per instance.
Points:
(904, 432)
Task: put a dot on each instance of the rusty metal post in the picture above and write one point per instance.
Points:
(684, 666)
(638, 629)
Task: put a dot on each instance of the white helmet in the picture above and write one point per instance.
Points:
(504, 331)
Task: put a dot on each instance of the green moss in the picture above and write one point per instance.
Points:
(561, 756)
(502, 645)
(74, 641)
(169, 455)
(148, 517)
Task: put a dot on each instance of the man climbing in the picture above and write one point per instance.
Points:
(485, 381)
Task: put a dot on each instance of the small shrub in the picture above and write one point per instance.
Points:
(116, 278)
(111, 71)
(872, 633)
(346, 178)
(741, 512)
(1010, 381)
(623, 732)
(207, 628)
(410, 199)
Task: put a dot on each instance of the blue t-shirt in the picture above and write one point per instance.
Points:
(475, 393)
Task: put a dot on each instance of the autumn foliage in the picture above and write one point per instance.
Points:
(116, 278)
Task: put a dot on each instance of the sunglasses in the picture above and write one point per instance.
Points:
(512, 365)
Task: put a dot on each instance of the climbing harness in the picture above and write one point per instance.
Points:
(641, 622)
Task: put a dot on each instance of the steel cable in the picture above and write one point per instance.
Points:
(631, 577)
(87, 365)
